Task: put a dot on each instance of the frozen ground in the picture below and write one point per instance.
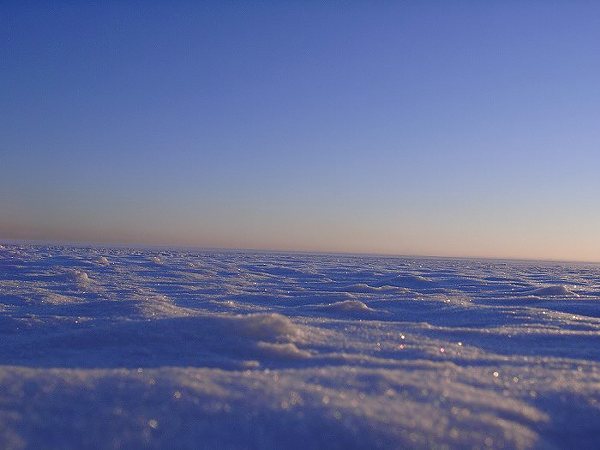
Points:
(127, 348)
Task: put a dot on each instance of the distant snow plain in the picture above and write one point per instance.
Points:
(129, 348)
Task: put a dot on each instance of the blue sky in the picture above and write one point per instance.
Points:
(440, 128)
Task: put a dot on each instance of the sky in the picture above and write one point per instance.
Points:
(417, 128)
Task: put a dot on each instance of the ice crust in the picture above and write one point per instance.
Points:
(127, 348)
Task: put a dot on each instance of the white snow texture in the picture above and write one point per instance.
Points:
(129, 348)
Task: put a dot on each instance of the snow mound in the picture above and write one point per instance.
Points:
(287, 350)
(267, 327)
(549, 291)
(78, 276)
(348, 306)
(160, 306)
(103, 261)
(410, 281)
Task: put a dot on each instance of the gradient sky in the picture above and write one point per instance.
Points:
(438, 128)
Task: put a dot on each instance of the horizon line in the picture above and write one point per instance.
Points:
(146, 246)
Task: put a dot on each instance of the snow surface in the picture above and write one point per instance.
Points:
(127, 348)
